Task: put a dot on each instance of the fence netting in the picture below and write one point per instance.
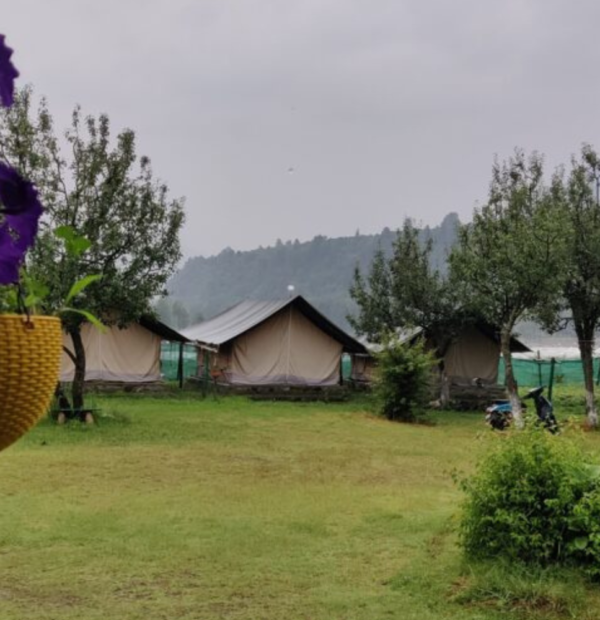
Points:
(169, 360)
(537, 371)
(528, 372)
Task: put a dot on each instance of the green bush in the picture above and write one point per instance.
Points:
(583, 546)
(534, 500)
(402, 381)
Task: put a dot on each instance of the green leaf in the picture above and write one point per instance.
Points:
(36, 291)
(75, 244)
(594, 470)
(80, 285)
(78, 246)
(64, 232)
(95, 321)
(580, 543)
(12, 300)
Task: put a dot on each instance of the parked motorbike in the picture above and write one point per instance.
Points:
(543, 408)
(499, 414)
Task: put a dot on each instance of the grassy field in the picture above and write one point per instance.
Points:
(178, 508)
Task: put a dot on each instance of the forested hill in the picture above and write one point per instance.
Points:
(321, 270)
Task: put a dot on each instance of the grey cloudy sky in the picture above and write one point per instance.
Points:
(279, 118)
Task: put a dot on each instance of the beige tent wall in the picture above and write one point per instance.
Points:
(130, 355)
(473, 356)
(315, 357)
(363, 368)
(218, 361)
(286, 349)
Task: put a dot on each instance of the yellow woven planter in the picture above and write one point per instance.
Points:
(29, 370)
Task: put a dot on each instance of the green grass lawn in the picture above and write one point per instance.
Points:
(178, 508)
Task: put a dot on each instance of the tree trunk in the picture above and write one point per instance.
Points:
(509, 379)
(79, 377)
(586, 348)
(444, 387)
(442, 344)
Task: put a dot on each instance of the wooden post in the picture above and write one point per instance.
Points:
(180, 366)
(552, 365)
(205, 361)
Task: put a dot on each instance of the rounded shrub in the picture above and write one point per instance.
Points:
(535, 499)
(583, 545)
(402, 381)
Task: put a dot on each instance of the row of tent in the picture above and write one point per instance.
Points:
(281, 342)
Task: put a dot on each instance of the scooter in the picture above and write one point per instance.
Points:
(499, 414)
(544, 409)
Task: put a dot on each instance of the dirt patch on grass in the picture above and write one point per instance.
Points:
(30, 596)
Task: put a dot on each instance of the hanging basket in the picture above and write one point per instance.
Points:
(30, 352)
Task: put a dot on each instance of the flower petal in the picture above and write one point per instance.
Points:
(8, 73)
(11, 258)
(22, 210)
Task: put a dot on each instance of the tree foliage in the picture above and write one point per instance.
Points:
(582, 286)
(509, 262)
(403, 292)
(403, 380)
(101, 188)
(376, 316)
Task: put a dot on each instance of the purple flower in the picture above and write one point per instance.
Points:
(19, 202)
(8, 73)
(22, 209)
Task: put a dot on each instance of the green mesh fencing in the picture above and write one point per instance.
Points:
(169, 360)
(527, 372)
(537, 372)
(346, 367)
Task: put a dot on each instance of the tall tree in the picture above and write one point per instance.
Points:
(108, 195)
(509, 262)
(373, 297)
(582, 287)
(405, 292)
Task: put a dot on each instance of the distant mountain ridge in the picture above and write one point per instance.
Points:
(321, 270)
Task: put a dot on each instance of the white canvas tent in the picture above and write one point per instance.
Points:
(281, 342)
(473, 355)
(128, 355)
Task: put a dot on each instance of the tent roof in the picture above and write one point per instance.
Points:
(248, 314)
(516, 346)
(409, 335)
(161, 329)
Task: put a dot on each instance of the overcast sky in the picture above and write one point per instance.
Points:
(287, 119)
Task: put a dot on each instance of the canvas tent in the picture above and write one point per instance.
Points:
(473, 355)
(128, 355)
(281, 342)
